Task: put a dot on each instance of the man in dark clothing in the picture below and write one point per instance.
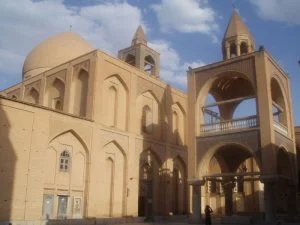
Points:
(208, 211)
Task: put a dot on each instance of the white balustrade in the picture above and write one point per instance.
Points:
(226, 125)
(280, 127)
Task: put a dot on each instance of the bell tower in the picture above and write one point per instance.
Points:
(237, 39)
(241, 132)
(140, 55)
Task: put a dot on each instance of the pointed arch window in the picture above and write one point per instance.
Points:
(57, 94)
(34, 96)
(233, 50)
(175, 127)
(244, 48)
(147, 119)
(81, 93)
(130, 59)
(149, 65)
(112, 107)
(64, 161)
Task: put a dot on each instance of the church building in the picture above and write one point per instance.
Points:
(87, 135)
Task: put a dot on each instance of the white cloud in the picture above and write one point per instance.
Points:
(186, 16)
(108, 26)
(172, 68)
(279, 10)
(25, 23)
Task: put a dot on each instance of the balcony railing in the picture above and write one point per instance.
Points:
(227, 125)
(280, 127)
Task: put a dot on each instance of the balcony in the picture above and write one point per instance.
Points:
(280, 128)
(228, 125)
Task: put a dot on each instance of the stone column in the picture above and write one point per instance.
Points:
(270, 200)
(227, 52)
(228, 189)
(196, 216)
(292, 200)
(238, 48)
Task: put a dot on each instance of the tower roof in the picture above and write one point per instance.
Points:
(236, 26)
(139, 37)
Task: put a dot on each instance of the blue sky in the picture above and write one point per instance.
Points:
(185, 32)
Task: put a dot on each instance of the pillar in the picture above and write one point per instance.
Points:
(227, 52)
(196, 216)
(292, 200)
(228, 189)
(270, 201)
(238, 48)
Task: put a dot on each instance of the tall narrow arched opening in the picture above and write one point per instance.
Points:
(148, 114)
(115, 97)
(149, 65)
(179, 186)
(130, 59)
(115, 188)
(33, 96)
(175, 123)
(109, 180)
(147, 119)
(244, 48)
(284, 170)
(178, 124)
(279, 107)
(81, 93)
(233, 50)
(149, 189)
(112, 106)
(56, 95)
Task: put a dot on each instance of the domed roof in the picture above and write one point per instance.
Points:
(53, 52)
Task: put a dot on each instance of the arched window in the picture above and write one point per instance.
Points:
(233, 50)
(81, 93)
(278, 103)
(58, 105)
(34, 96)
(175, 127)
(57, 94)
(64, 162)
(147, 119)
(130, 59)
(112, 106)
(244, 48)
(149, 65)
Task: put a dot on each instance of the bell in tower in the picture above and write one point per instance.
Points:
(237, 39)
(140, 55)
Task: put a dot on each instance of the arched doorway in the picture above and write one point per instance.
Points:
(149, 181)
(284, 173)
(178, 186)
(232, 182)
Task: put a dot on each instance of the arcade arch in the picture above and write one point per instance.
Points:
(224, 103)
(231, 172)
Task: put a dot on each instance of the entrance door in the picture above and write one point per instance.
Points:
(47, 206)
(62, 207)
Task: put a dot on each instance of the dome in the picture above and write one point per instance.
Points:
(53, 52)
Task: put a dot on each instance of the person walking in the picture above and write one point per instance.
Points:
(208, 211)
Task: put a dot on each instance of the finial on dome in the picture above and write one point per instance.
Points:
(139, 37)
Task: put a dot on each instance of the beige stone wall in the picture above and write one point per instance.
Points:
(106, 148)
(297, 136)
